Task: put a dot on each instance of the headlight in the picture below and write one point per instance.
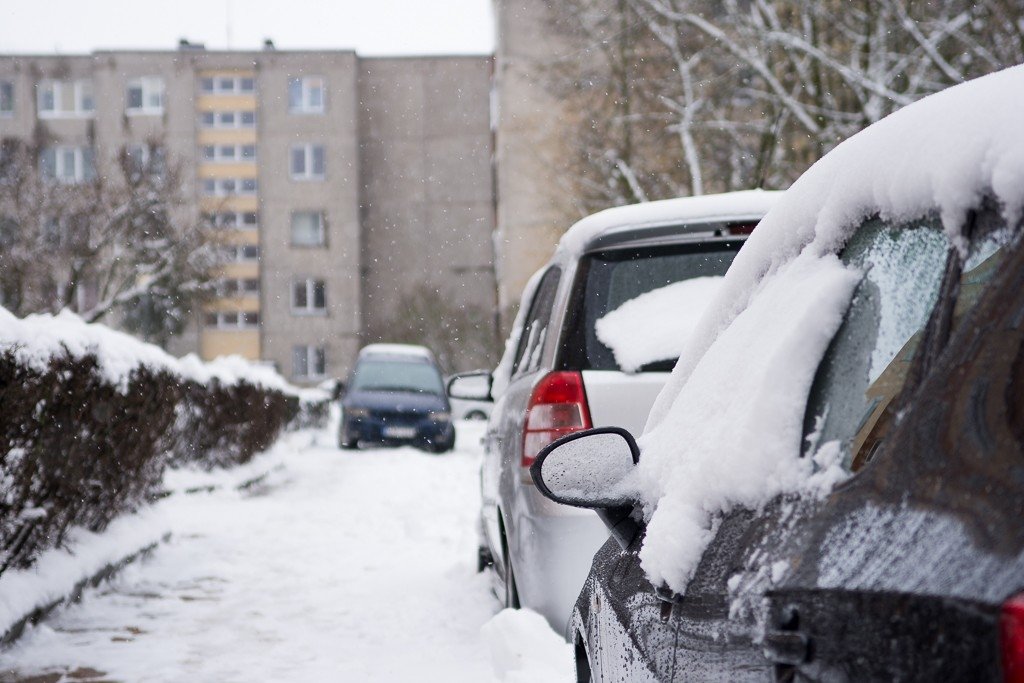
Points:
(440, 416)
(356, 412)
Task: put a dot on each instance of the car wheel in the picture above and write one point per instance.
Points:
(439, 447)
(483, 559)
(475, 415)
(347, 445)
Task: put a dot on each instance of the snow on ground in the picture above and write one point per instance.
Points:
(339, 566)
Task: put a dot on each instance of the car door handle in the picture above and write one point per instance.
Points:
(787, 647)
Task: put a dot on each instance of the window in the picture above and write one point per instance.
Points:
(531, 339)
(867, 362)
(225, 187)
(141, 158)
(306, 94)
(307, 162)
(309, 296)
(226, 85)
(227, 119)
(57, 99)
(6, 98)
(231, 287)
(308, 229)
(308, 362)
(67, 164)
(228, 153)
(145, 95)
(233, 320)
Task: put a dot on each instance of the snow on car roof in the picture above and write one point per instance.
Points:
(726, 429)
(397, 350)
(727, 206)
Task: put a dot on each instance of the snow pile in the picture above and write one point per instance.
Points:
(656, 325)
(38, 338)
(524, 649)
(725, 430)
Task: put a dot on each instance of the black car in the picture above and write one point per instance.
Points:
(395, 396)
(909, 565)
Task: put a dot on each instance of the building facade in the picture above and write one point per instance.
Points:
(342, 187)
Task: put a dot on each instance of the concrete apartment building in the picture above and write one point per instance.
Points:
(343, 185)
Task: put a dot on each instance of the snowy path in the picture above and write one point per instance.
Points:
(352, 566)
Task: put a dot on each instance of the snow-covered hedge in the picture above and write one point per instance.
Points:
(89, 418)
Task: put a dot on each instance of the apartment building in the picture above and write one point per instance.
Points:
(340, 186)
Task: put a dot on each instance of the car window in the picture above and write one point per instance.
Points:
(531, 340)
(867, 362)
(608, 279)
(381, 375)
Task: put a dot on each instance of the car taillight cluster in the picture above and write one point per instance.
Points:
(558, 406)
(1011, 635)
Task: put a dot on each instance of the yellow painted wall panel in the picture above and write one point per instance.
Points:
(239, 270)
(245, 343)
(226, 103)
(226, 136)
(239, 169)
(249, 303)
(239, 203)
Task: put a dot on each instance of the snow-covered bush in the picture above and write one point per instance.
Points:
(90, 417)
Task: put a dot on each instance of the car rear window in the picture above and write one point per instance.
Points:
(608, 279)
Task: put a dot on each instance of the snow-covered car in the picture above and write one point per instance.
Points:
(470, 408)
(395, 396)
(599, 329)
(831, 485)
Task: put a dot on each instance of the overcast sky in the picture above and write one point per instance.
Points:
(371, 27)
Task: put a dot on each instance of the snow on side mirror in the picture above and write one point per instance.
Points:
(589, 469)
(472, 386)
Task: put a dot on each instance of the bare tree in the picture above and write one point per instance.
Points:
(682, 97)
(122, 242)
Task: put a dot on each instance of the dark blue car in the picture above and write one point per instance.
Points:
(395, 396)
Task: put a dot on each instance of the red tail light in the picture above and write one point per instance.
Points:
(1011, 635)
(558, 406)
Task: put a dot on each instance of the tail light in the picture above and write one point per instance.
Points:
(1011, 635)
(558, 406)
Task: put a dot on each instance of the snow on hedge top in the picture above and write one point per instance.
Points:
(36, 339)
(706, 208)
(726, 429)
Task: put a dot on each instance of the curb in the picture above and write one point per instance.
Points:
(17, 629)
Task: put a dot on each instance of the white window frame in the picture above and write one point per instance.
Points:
(310, 308)
(236, 85)
(322, 231)
(60, 172)
(220, 189)
(78, 88)
(307, 155)
(149, 86)
(219, 123)
(241, 291)
(9, 100)
(306, 86)
(313, 353)
(239, 324)
(220, 158)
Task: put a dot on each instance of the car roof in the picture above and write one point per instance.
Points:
(688, 213)
(406, 352)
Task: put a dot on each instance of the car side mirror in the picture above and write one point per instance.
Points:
(471, 386)
(593, 469)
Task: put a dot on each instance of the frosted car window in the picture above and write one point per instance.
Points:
(866, 364)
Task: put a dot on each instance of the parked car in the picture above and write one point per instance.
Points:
(831, 486)
(574, 362)
(395, 396)
(469, 408)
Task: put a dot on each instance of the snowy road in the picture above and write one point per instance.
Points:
(348, 566)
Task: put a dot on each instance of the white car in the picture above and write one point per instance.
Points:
(599, 329)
